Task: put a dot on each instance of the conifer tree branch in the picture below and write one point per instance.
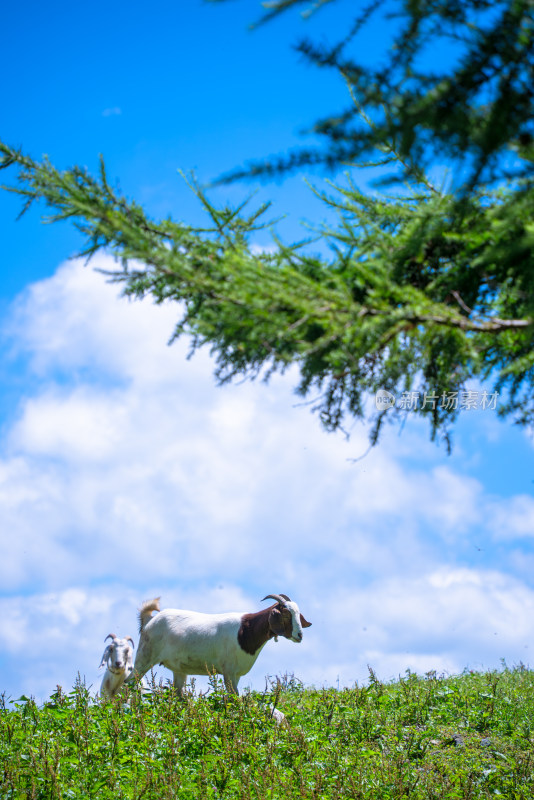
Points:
(420, 292)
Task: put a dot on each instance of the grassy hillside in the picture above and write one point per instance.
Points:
(421, 737)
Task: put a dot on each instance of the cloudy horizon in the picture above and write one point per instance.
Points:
(126, 473)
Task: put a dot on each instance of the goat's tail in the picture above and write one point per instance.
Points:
(145, 612)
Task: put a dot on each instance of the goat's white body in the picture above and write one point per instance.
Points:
(192, 643)
(112, 681)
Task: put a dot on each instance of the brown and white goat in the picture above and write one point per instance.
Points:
(191, 643)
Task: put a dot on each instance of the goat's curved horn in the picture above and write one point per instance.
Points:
(280, 598)
(110, 636)
(285, 597)
(129, 639)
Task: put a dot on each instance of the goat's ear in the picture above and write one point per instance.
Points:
(105, 656)
(304, 622)
(276, 623)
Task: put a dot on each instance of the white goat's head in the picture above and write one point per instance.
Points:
(118, 655)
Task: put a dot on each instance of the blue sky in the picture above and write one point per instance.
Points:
(126, 473)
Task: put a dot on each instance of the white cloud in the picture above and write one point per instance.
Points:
(128, 474)
(263, 249)
(514, 518)
(82, 425)
(75, 324)
(445, 621)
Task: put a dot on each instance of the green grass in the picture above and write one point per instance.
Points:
(469, 736)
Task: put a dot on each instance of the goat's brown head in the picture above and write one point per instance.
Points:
(285, 618)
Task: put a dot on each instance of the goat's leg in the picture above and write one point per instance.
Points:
(230, 682)
(143, 662)
(179, 682)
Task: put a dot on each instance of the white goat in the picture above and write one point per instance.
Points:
(191, 643)
(118, 658)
